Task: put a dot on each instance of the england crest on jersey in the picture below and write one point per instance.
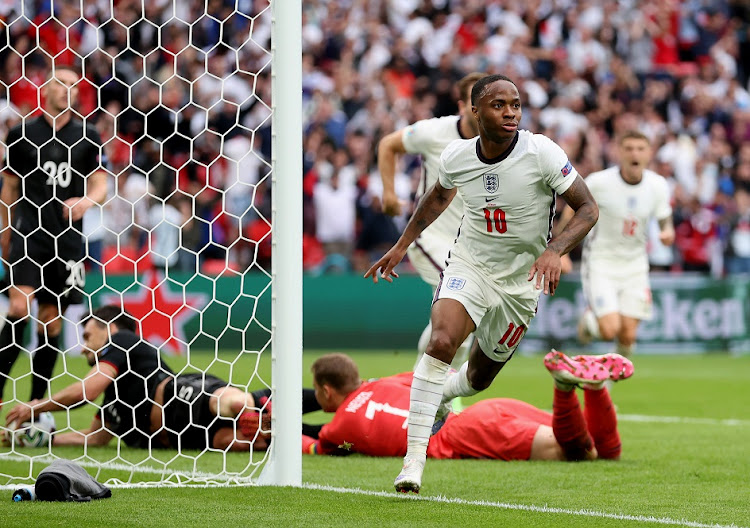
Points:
(491, 183)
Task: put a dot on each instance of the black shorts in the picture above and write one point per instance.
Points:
(54, 279)
(188, 419)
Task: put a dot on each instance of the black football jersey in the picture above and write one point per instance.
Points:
(53, 166)
(126, 409)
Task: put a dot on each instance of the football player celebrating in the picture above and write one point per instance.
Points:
(614, 264)
(502, 258)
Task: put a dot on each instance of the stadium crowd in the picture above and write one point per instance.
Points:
(187, 126)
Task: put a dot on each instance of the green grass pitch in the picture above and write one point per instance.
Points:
(684, 422)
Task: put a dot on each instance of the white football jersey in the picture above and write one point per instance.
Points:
(429, 138)
(618, 240)
(509, 202)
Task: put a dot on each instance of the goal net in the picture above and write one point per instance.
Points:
(198, 107)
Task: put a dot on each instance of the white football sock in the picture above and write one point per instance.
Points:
(462, 353)
(592, 324)
(457, 385)
(624, 350)
(424, 340)
(426, 394)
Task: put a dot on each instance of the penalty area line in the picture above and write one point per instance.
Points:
(521, 507)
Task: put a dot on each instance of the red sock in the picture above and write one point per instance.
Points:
(569, 426)
(601, 420)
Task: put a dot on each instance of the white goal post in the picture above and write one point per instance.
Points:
(118, 465)
(285, 464)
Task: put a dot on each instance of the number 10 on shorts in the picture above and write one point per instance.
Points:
(512, 335)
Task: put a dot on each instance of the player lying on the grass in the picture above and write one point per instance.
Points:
(145, 403)
(371, 415)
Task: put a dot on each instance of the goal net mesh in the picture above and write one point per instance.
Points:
(180, 93)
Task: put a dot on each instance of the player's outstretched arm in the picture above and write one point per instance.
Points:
(388, 149)
(547, 267)
(95, 383)
(432, 204)
(96, 435)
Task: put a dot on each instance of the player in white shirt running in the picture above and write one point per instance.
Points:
(614, 264)
(502, 258)
(429, 137)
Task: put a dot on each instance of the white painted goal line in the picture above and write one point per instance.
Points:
(523, 507)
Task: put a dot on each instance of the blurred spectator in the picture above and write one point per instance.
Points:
(738, 247)
(335, 216)
(125, 214)
(378, 231)
(696, 237)
(165, 221)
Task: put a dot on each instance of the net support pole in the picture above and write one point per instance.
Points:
(285, 463)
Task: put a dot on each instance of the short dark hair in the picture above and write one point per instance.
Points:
(465, 84)
(337, 370)
(482, 83)
(112, 313)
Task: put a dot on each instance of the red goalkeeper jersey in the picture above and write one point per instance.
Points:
(371, 421)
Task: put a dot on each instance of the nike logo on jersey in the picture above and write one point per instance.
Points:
(491, 198)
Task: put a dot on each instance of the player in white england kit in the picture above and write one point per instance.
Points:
(614, 265)
(429, 138)
(502, 259)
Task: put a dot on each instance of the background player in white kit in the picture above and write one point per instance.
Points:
(429, 137)
(614, 264)
(507, 179)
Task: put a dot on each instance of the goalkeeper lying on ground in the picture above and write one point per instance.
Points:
(145, 403)
(371, 416)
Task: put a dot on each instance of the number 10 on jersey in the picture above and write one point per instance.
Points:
(495, 219)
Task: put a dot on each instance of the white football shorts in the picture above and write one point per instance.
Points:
(607, 292)
(428, 255)
(501, 311)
